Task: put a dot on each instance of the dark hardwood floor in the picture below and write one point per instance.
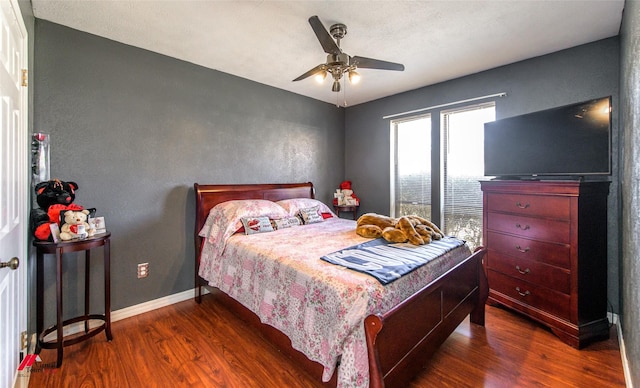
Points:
(187, 344)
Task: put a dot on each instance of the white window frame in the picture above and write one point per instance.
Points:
(444, 140)
(393, 132)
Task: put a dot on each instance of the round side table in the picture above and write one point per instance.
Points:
(60, 248)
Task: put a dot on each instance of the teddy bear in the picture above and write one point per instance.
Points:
(55, 191)
(52, 196)
(75, 225)
(344, 196)
(412, 228)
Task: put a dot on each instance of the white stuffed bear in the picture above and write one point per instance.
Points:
(75, 225)
(349, 199)
(346, 198)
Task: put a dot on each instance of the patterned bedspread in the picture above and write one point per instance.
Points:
(320, 306)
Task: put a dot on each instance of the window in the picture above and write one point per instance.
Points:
(463, 167)
(411, 167)
(435, 174)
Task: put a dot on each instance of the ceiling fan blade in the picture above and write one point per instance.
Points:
(369, 63)
(311, 72)
(328, 44)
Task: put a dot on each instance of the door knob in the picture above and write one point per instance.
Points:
(13, 263)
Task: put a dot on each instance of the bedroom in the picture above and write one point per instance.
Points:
(141, 124)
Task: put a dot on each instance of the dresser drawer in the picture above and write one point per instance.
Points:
(549, 253)
(526, 293)
(531, 205)
(530, 227)
(531, 271)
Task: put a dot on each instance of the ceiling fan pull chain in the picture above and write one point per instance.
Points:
(344, 96)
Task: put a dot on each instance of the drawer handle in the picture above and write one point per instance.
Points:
(522, 293)
(521, 206)
(525, 250)
(526, 271)
(526, 227)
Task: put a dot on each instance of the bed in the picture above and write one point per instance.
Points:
(399, 332)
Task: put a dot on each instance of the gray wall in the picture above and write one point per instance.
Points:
(561, 78)
(630, 186)
(136, 129)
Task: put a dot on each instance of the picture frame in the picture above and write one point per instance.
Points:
(98, 224)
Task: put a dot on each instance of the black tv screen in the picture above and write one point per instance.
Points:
(572, 140)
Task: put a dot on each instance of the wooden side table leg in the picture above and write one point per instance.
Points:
(59, 327)
(39, 298)
(87, 282)
(107, 289)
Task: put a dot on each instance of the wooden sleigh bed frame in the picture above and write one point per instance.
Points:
(400, 341)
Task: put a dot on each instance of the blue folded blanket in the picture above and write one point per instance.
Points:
(389, 261)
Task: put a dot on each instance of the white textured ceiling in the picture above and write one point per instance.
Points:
(271, 42)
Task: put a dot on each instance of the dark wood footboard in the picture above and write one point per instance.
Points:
(400, 341)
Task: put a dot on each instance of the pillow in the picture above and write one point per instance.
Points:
(286, 222)
(225, 218)
(311, 215)
(254, 225)
(294, 205)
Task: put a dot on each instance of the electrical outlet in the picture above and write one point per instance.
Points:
(143, 270)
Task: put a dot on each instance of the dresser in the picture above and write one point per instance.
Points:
(547, 253)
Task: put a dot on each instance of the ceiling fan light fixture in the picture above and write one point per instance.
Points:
(354, 77)
(320, 76)
(336, 86)
(339, 63)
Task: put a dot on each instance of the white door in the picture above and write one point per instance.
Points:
(13, 187)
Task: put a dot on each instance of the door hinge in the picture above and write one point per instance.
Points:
(23, 340)
(25, 77)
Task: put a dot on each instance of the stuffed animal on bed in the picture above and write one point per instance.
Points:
(75, 225)
(413, 229)
(53, 197)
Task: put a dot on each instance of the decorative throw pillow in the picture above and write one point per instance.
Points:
(254, 225)
(311, 215)
(286, 222)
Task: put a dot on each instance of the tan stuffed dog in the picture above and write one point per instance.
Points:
(414, 229)
(371, 225)
(425, 228)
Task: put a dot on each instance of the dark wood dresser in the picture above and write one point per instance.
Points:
(547, 253)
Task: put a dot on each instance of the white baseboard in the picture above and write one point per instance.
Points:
(623, 354)
(154, 304)
(613, 318)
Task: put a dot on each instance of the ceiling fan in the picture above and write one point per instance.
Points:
(338, 63)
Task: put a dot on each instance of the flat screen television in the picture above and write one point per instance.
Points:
(568, 141)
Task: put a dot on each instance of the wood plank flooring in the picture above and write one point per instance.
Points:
(191, 345)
